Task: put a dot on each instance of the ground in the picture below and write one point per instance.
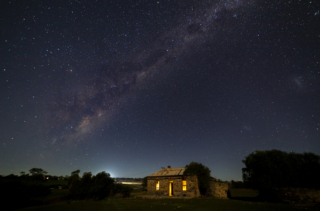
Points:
(168, 205)
(132, 203)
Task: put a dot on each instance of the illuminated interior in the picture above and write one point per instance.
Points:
(158, 185)
(171, 188)
(184, 185)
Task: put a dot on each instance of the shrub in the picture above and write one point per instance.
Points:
(125, 190)
(97, 187)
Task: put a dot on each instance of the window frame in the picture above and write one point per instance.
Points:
(182, 185)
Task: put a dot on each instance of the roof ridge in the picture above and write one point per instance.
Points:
(169, 172)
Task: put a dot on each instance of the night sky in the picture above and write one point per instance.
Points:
(128, 87)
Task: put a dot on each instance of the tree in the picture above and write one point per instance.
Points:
(22, 173)
(76, 172)
(37, 171)
(144, 183)
(278, 169)
(86, 176)
(37, 174)
(203, 175)
(102, 185)
(74, 177)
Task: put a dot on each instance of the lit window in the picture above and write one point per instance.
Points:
(184, 185)
(157, 185)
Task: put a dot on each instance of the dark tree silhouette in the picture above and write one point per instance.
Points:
(93, 187)
(203, 174)
(278, 169)
(144, 182)
(76, 172)
(74, 177)
(37, 171)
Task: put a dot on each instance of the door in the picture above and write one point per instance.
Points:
(171, 188)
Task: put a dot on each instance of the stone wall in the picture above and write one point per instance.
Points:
(192, 186)
(219, 189)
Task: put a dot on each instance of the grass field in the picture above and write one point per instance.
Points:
(196, 204)
(199, 204)
(243, 193)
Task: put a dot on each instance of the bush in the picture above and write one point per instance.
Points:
(89, 187)
(125, 190)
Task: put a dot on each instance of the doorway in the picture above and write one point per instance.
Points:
(170, 188)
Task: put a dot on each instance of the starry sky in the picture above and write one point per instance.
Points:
(128, 87)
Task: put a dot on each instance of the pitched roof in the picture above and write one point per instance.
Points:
(168, 172)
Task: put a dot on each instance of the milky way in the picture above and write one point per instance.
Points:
(89, 103)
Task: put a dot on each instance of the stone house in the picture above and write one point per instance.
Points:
(171, 182)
